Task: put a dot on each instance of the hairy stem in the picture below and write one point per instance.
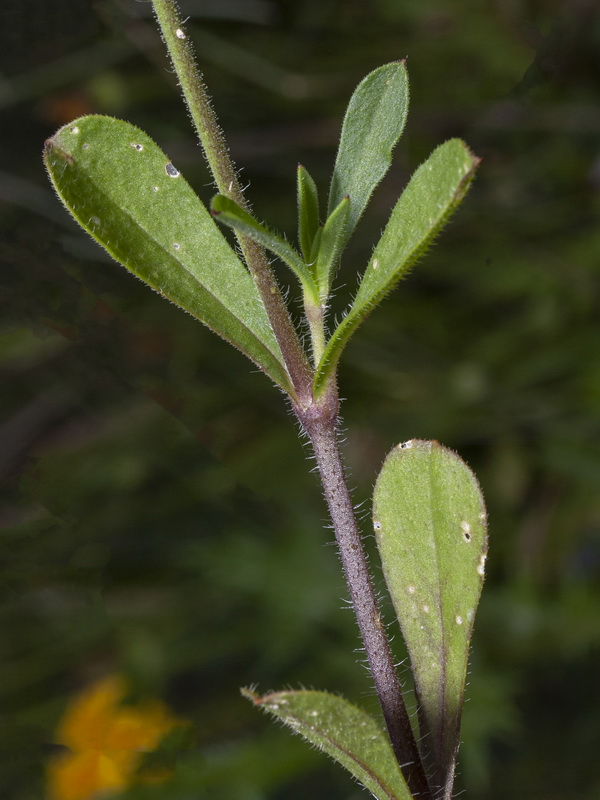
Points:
(319, 420)
(321, 429)
(217, 155)
(315, 317)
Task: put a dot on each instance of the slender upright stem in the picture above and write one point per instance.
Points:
(321, 429)
(217, 155)
(318, 418)
(315, 316)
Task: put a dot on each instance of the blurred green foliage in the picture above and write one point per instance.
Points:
(158, 516)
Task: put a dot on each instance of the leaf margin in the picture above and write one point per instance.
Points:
(359, 310)
(271, 703)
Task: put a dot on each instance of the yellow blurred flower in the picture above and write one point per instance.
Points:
(106, 741)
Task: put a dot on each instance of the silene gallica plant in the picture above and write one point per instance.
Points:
(429, 517)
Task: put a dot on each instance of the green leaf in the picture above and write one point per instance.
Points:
(349, 735)
(124, 191)
(229, 213)
(430, 524)
(433, 193)
(374, 122)
(308, 211)
(315, 247)
(330, 246)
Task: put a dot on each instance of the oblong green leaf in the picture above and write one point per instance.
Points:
(433, 193)
(330, 246)
(308, 211)
(124, 191)
(431, 530)
(346, 733)
(373, 123)
(229, 213)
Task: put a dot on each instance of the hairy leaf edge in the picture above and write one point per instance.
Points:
(353, 318)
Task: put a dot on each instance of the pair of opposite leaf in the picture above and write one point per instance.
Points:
(428, 512)
(123, 190)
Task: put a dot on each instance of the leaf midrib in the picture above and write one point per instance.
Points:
(443, 648)
(328, 737)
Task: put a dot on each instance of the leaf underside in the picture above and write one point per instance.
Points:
(346, 733)
(123, 190)
(431, 196)
(431, 530)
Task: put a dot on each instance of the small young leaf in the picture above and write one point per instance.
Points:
(374, 122)
(330, 246)
(229, 213)
(432, 195)
(124, 191)
(315, 247)
(430, 524)
(346, 733)
(308, 211)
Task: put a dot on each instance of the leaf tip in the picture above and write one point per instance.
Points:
(52, 146)
(475, 159)
(249, 693)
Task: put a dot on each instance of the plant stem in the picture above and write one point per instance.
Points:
(217, 155)
(319, 420)
(315, 317)
(321, 429)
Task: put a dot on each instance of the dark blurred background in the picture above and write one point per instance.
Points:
(158, 516)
